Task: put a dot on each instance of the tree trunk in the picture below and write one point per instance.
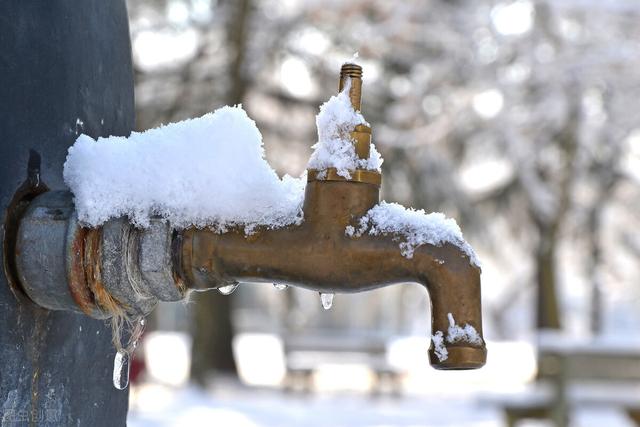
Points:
(548, 316)
(212, 336)
(213, 329)
(595, 309)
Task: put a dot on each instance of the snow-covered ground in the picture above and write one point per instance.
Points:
(236, 406)
(249, 407)
(342, 394)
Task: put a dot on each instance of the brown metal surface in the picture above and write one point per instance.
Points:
(176, 261)
(353, 72)
(361, 137)
(84, 278)
(76, 279)
(358, 175)
(317, 255)
(93, 273)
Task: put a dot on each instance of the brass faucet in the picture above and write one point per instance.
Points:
(318, 255)
(118, 270)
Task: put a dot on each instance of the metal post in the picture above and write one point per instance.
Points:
(65, 69)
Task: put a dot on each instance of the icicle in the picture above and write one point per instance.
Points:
(229, 289)
(280, 287)
(122, 359)
(327, 300)
(121, 368)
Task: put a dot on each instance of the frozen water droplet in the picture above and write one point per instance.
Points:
(327, 300)
(137, 333)
(228, 290)
(280, 287)
(121, 370)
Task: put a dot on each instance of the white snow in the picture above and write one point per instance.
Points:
(208, 171)
(335, 148)
(439, 347)
(415, 226)
(455, 333)
(156, 405)
(466, 333)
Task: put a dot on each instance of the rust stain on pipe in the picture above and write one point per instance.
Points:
(77, 280)
(92, 269)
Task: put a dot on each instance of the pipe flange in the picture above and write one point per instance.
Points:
(120, 272)
(156, 262)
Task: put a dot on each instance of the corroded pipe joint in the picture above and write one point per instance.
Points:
(111, 270)
(49, 256)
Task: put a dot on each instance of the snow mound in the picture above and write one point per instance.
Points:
(415, 226)
(335, 148)
(207, 171)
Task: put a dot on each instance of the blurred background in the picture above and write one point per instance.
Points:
(520, 119)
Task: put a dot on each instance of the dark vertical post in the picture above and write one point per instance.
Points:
(65, 68)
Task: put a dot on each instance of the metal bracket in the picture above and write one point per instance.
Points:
(30, 188)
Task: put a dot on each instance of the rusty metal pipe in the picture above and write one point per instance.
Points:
(116, 268)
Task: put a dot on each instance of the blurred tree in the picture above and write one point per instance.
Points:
(213, 330)
(515, 117)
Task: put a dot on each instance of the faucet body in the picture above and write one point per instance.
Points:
(119, 270)
(319, 256)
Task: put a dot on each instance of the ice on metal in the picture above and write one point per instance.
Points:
(327, 300)
(121, 368)
(229, 289)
